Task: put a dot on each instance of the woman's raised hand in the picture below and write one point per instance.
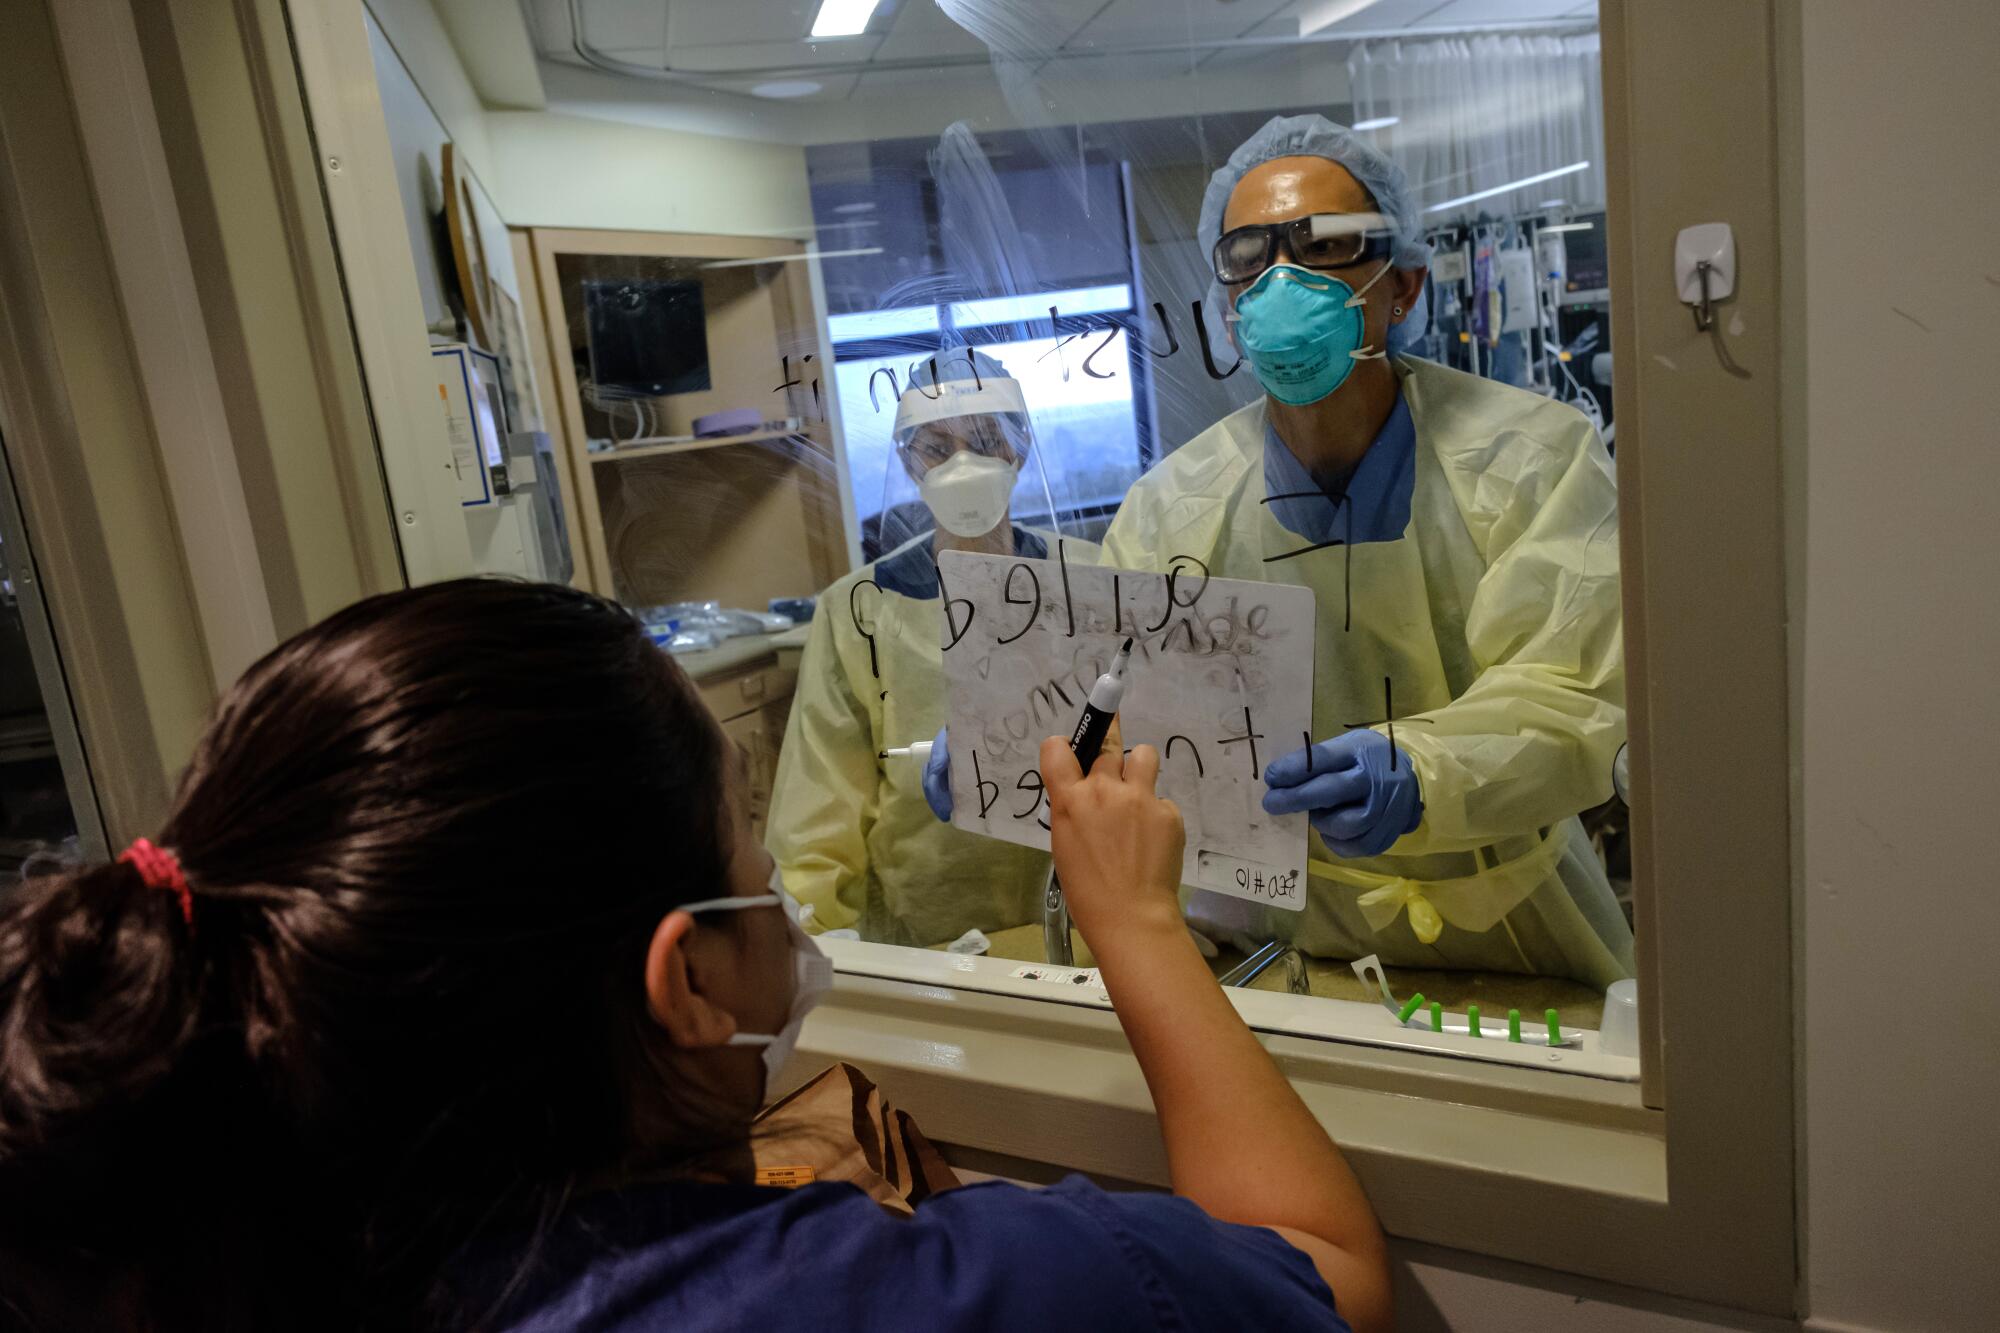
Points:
(1117, 846)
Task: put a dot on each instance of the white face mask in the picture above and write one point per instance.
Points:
(968, 493)
(812, 973)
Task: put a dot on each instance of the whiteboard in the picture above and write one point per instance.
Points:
(1220, 681)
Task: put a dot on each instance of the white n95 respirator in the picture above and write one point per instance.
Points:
(968, 493)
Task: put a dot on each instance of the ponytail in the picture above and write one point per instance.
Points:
(102, 1001)
(369, 1004)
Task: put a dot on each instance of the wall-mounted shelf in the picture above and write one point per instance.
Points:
(624, 452)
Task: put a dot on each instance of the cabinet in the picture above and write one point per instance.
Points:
(647, 331)
(747, 684)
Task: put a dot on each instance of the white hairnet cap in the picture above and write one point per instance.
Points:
(1316, 136)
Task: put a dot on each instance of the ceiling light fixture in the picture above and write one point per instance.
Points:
(1536, 179)
(843, 18)
(782, 89)
(1570, 226)
(1318, 14)
(862, 206)
(1379, 123)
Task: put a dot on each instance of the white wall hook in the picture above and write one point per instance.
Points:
(1705, 268)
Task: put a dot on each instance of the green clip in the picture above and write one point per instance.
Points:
(1472, 1018)
(1555, 1030)
(1437, 1016)
(1513, 1025)
(1414, 1003)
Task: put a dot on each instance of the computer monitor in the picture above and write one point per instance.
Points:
(648, 337)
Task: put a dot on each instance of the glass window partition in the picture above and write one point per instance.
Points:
(852, 349)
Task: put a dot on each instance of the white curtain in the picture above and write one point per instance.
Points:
(1481, 113)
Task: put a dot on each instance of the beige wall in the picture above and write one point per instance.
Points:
(551, 170)
(419, 37)
(1900, 894)
(566, 171)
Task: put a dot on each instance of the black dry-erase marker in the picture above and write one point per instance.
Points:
(1099, 709)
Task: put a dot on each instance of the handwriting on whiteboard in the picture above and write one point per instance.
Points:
(1221, 683)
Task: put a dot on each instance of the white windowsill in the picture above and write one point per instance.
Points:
(1535, 1167)
(1311, 1016)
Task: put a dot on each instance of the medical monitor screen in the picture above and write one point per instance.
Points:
(1583, 250)
(648, 337)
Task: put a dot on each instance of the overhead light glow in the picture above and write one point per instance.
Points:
(785, 88)
(863, 206)
(1570, 226)
(1553, 203)
(1318, 14)
(1536, 179)
(843, 18)
(1016, 309)
(1378, 123)
(883, 323)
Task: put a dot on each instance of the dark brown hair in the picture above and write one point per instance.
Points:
(428, 841)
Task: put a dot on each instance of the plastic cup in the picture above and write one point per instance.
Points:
(1618, 1032)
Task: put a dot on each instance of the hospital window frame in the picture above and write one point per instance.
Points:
(1682, 1183)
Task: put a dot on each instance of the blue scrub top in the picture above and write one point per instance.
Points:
(913, 570)
(1376, 504)
(826, 1258)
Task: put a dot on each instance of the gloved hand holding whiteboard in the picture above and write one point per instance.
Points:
(1221, 682)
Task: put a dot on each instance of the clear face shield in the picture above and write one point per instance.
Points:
(962, 468)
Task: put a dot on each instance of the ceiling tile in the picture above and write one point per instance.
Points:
(621, 23)
(1151, 67)
(922, 29)
(876, 81)
(1192, 21)
(1497, 11)
(768, 55)
(655, 55)
(1386, 15)
(1274, 57)
(548, 24)
(1031, 25)
(709, 23)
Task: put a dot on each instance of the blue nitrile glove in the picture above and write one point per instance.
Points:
(937, 778)
(1356, 801)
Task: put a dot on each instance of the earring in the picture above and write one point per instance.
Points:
(1398, 310)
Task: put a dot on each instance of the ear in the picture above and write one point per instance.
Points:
(1408, 284)
(691, 1021)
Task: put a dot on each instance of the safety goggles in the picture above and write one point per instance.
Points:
(989, 437)
(1317, 240)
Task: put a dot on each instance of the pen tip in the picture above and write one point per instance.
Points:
(1128, 645)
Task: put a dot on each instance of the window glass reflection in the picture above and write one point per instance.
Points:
(1280, 292)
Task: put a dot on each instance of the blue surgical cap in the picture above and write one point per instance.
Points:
(1316, 136)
